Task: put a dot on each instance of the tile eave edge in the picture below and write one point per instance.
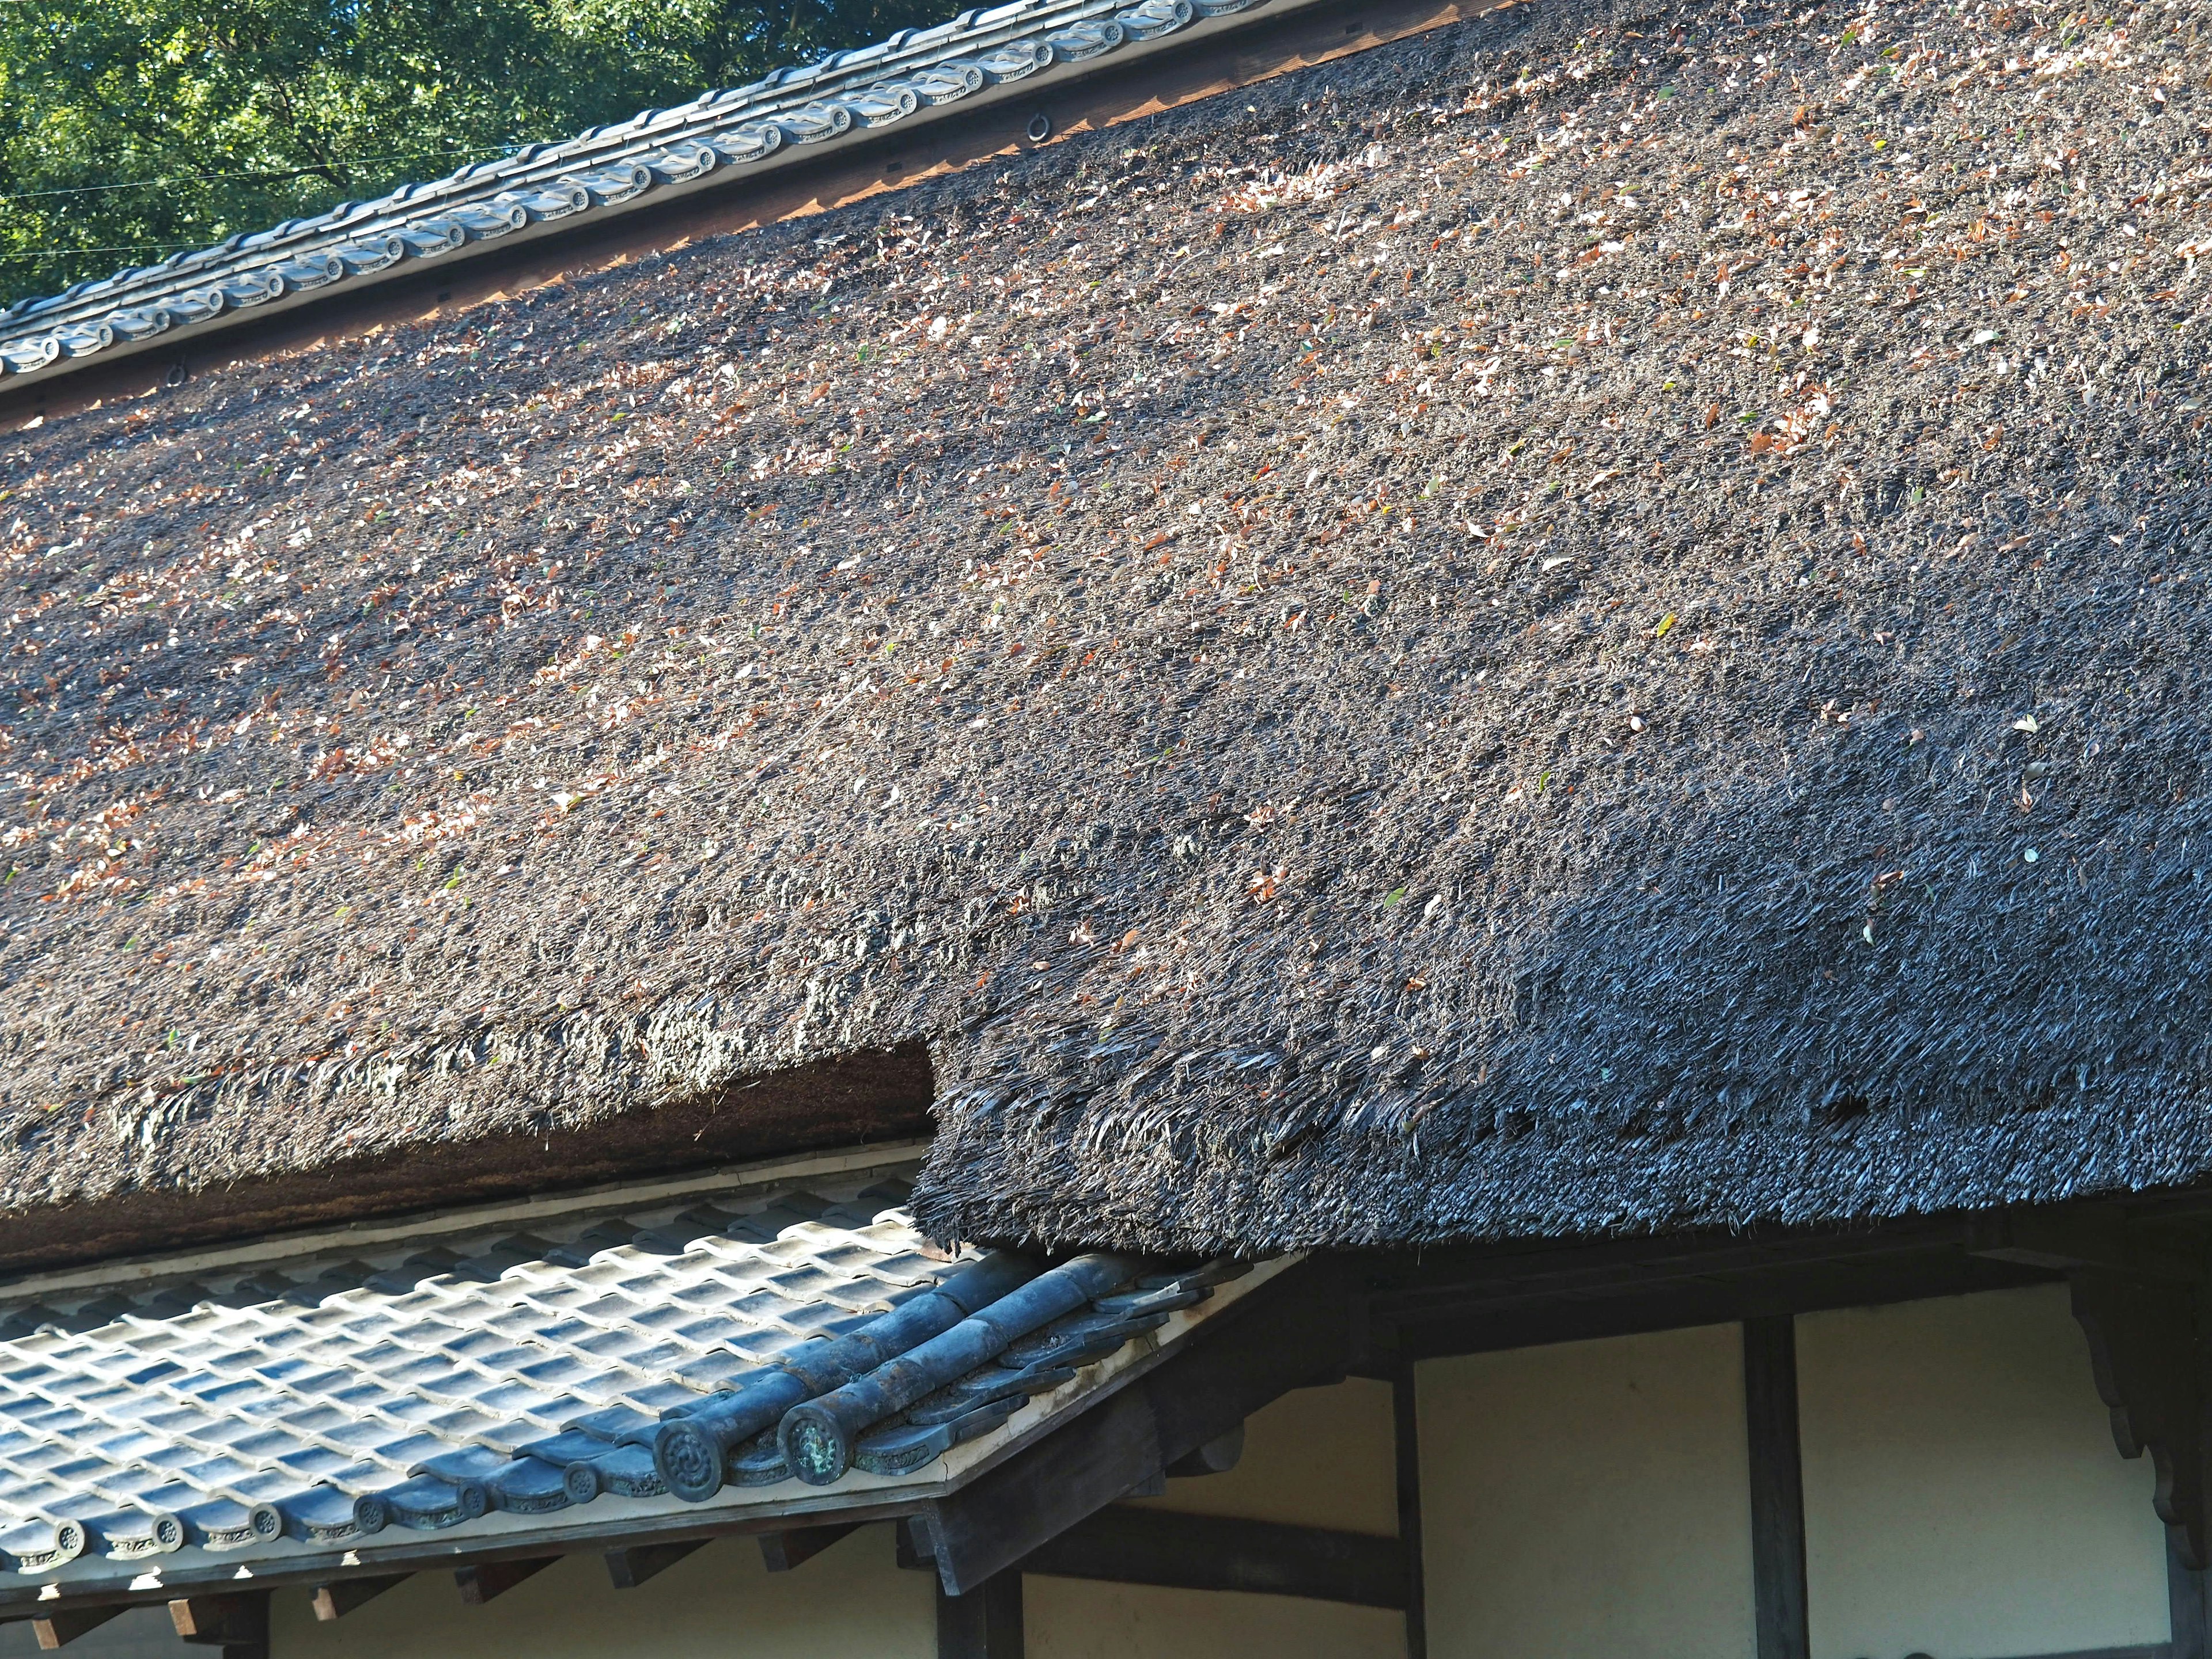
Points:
(635, 1521)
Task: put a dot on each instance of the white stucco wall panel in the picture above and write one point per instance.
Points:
(719, 1602)
(1962, 1493)
(1589, 1499)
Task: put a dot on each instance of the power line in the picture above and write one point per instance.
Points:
(254, 173)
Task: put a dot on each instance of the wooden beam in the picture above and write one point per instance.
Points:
(1499, 1316)
(1129, 1546)
(629, 1568)
(237, 1623)
(782, 1551)
(64, 1625)
(480, 1581)
(1778, 1488)
(1406, 1447)
(984, 1624)
(336, 1599)
(1295, 1331)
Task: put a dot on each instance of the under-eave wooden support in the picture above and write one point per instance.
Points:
(1296, 1331)
(481, 1581)
(2143, 1352)
(2144, 1302)
(629, 1568)
(64, 1625)
(782, 1551)
(236, 1621)
(340, 1596)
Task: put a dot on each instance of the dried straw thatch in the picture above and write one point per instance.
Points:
(1595, 621)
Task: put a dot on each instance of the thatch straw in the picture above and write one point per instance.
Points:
(1594, 621)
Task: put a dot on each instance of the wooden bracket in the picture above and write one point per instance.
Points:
(480, 1581)
(782, 1551)
(64, 1625)
(1285, 1335)
(338, 1598)
(2144, 1349)
(631, 1567)
(237, 1622)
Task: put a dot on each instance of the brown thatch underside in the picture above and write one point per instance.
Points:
(1590, 623)
(850, 1101)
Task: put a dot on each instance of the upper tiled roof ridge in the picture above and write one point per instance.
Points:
(602, 168)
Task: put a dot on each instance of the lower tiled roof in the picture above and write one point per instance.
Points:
(495, 1381)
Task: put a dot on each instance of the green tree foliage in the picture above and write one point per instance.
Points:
(130, 129)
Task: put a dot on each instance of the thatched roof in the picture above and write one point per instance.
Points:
(1593, 622)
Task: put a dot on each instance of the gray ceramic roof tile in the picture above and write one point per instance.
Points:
(231, 1416)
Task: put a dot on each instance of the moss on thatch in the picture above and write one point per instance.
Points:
(1594, 621)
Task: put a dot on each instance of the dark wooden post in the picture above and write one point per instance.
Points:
(2186, 1600)
(1405, 1422)
(1777, 1487)
(984, 1624)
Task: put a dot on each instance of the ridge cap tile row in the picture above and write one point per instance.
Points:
(600, 171)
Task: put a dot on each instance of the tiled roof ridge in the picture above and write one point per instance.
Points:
(605, 167)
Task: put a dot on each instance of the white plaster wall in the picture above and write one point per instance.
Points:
(1962, 1494)
(719, 1602)
(1589, 1500)
(1317, 1457)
